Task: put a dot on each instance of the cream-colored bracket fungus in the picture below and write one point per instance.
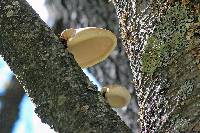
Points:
(117, 96)
(89, 45)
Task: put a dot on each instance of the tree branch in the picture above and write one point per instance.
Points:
(65, 99)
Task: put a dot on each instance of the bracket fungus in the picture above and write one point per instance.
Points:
(117, 96)
(89, 45)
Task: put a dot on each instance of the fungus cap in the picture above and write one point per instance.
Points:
(116, 95)
(89, 45)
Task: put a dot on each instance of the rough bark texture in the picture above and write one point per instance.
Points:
(116, 68)
(10, 101)
(65, 99)
(162, 40)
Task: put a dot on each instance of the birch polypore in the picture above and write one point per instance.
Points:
(89, 45)
(117, 96)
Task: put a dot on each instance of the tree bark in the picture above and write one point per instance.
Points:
(65, 99)
(162, 42)
(116, 68)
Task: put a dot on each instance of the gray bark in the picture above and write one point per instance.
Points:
(162, 42)
(116, 68)
(65, 99)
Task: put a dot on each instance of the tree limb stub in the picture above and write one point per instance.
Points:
(50, 75)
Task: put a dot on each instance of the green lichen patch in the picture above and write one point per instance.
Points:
(186, 89)
(168, 39)
(61, 100)
(151, 57)
(10, 13)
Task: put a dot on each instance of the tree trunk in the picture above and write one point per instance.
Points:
(65, 99)
(162, 42)
(116, 68)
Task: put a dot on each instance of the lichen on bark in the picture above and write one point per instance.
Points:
(167, 39)
(163, 50)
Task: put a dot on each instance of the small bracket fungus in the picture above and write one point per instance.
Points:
(89, 45)
(117, 96)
